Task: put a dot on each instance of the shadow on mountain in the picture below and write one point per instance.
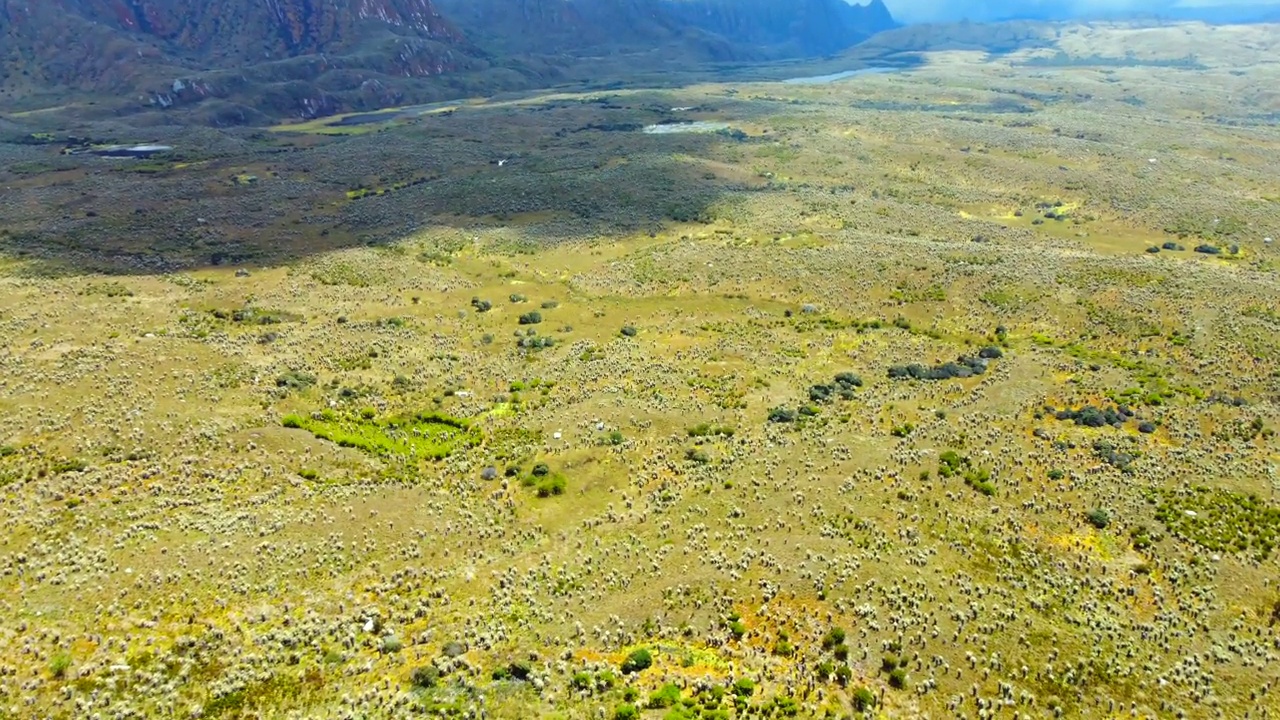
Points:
(553, 171)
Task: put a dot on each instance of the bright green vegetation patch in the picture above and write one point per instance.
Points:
(424, 435)
(952, 463)
(1220, 520)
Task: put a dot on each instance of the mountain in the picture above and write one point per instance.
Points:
(250, 61)
(798, 28)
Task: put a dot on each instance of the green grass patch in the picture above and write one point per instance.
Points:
(423, 435)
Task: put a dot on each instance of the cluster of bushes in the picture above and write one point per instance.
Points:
(545, 482)
(842, 386)
(952, 464)
(896, 667)
(531, 340)
(963, 367)
(1113, 456)
(708, 430)
(1090, 416)
(295, 380)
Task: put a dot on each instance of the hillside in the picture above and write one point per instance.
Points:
(239, 62)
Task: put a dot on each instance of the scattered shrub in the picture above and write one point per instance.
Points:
(863, 699)
(1098, 518)
(835, 636)
(782, 414)
(637, 660)
(665, 696)
(426, 676)
(551, 485)
(59, 665)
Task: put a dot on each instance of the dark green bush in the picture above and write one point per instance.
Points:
(425, 677)
(637, 660)
(1098, 518)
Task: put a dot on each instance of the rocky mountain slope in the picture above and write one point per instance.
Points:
(243, 61)
(785, 29)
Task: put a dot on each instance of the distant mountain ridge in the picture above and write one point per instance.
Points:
(252, 60)
(796, 28)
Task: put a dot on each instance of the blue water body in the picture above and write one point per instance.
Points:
(824, 79)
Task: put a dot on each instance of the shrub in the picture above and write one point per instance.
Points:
(59, 665)
(737, 629)
(665, 697)
(295, 380)
(425, 677)
(1170, 245)
(1056, 474)
(540, 470)
(551, 485)
(1208, 249)
(391, 644)
(990, 353)
(516, 298)
(744, 687)
(531, 318)
(835, 636)
(308, 474)
(1098, 517)
(888, 662)
(550, 304)
(898, 678)
(782, 415)
(848, 380)
(638, 659)
(629, 331)
(863, 699)
(626, 711)
(697, 456)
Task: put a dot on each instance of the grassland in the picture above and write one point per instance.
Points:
(622, 425)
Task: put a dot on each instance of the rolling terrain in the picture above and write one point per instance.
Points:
(949, 390)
